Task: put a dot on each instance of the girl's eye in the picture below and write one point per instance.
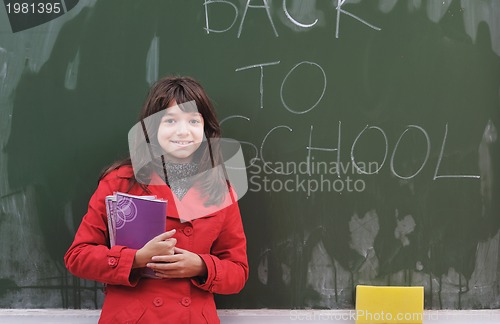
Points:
(195, 121)
(168, 120)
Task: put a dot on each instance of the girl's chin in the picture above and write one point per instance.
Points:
(179, 158)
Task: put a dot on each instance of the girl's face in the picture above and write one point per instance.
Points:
(180, 133)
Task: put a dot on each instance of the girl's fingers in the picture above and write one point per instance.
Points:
(164, 236)
(179, 250)
(162, 266)
(165, 259)
(170, 242)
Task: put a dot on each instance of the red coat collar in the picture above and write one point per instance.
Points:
(191, 206)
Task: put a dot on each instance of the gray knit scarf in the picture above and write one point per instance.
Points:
(181, 177)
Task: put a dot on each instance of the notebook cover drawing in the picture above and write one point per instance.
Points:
(137, 219)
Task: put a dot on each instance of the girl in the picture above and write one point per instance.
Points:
(201, 254)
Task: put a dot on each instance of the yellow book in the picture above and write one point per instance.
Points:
(389, 304)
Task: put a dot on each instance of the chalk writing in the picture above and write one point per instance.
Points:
(340, 10)
(207, 28)
(264, 6)
(428, 141)
(311, 148)
(262, 148)
(295, 22)
(356, 165)
(320, 97)
(360, 170)
(436, 176)
(252, 160)
(261, 84)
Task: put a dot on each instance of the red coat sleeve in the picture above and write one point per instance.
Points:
(89, 256)
(227, 263)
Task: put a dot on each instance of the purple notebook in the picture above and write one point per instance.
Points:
(134, 220)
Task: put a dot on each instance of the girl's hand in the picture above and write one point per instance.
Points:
(183, 264)
(162, 244)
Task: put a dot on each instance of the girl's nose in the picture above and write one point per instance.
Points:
(182, 128)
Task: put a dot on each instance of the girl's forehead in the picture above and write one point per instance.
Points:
(176, 110)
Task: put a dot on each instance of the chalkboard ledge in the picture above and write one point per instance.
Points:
(247, 316)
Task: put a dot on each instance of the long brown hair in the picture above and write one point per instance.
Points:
(181, 90)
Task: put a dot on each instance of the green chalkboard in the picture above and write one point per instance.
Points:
(369, 130)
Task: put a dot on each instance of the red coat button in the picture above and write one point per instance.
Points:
(188, 231)
(158, 301)
(112, 262)
(186, 301)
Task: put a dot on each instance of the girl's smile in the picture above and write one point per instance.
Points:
(182, 143)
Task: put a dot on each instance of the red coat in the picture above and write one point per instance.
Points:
(218, 238)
